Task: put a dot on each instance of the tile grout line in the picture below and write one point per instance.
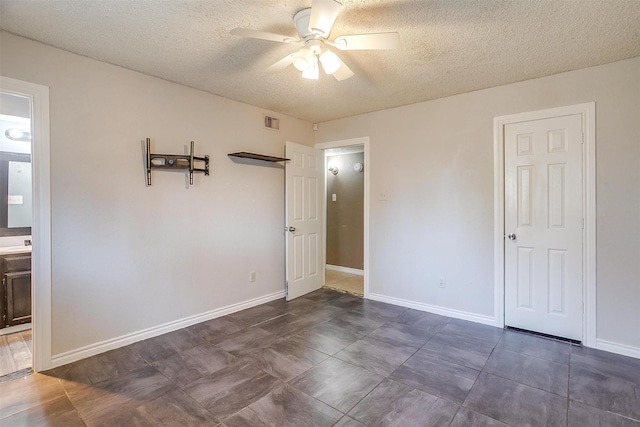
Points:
(479, 373)
(533, 357)
(388, 377)
(456, 414)
(518, 382)
(367, 394)
(284, 382)
(194, 400)
(569, 400)
(344, 414)
(66, 394)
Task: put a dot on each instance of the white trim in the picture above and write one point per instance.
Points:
(14, 329)
(111, 344)
(364, 141)
(614, 347)
(347, 270)
(41, 226)
(589, 325)
(587, 111)
(443, 311)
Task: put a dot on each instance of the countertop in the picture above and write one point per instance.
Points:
(9, 250)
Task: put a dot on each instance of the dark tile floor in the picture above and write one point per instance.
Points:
(332, 359)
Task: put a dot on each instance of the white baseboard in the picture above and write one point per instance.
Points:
(111, 344)
(345, 269)
(456, 314)
(614, 347)
(14, 329)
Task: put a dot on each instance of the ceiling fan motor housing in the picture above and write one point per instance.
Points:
(301, 21)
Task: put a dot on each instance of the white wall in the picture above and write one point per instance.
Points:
(435, 161)
(126, 257)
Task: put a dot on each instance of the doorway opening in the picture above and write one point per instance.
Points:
(344, 178)
(25, 303)
(346, 219)
(15, 234)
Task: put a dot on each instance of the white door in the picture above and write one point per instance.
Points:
(304, 189)
(543, 226)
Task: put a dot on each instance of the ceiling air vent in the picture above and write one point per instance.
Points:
(271, 123)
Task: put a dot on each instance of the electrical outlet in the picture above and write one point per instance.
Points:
(442, 283)
(252, 276)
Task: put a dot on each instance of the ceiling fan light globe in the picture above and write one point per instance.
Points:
(300, 63)
(304, 59)
(313, 72)
(330, 62)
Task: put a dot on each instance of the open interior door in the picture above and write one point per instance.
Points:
(304, 188)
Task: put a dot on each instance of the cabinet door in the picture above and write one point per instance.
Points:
(18, 294)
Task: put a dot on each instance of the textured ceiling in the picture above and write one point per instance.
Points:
(446, 46)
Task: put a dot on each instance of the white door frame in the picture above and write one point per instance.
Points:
(587, 111)
(41, 225)
(364, 141)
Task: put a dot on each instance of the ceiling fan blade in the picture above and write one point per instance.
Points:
(323, 15)
(283, 63)
(263, 35)
(367, 41)
(343, 72)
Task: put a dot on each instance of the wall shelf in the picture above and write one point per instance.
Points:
(262, 157)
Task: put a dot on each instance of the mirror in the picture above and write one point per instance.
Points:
(19, 197)
(15, 165)
(15, 191)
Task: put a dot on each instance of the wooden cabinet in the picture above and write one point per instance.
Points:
(15, 294)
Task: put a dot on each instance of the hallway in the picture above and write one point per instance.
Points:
(350, 283)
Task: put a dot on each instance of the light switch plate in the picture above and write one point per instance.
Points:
(14, 200)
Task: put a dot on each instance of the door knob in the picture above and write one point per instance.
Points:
(512, 236)
(291, 229)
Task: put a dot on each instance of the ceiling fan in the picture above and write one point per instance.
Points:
(314, 26)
